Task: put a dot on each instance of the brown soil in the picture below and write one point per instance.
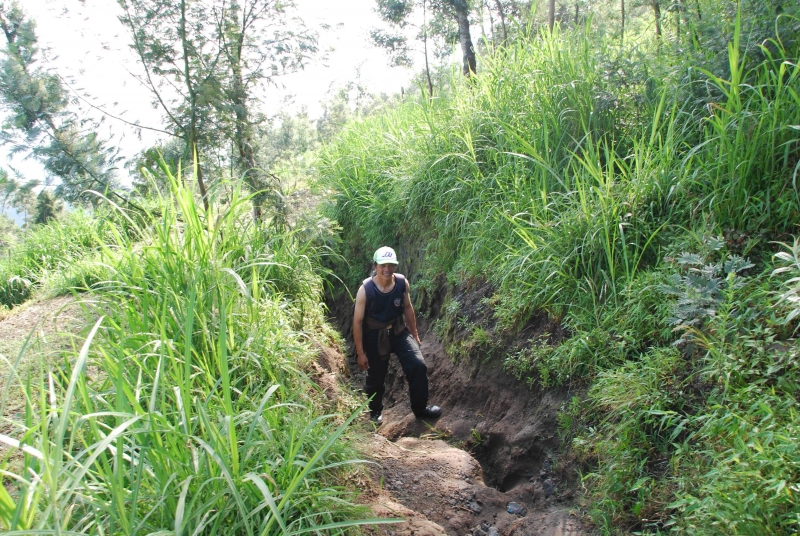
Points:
(439, 489)
(495, 444)
(38, 320)
(40, 327)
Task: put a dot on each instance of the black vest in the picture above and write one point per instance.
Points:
(385, 307)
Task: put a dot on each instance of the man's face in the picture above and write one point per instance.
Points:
(386, 270)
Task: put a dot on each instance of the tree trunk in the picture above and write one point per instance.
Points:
(622, 9)
(462, 17)
(491, 22)
(502, 20)
(657, 14)
(689, 23)
(192, 137)
(551, 18)
(425, 46)
(243, 132)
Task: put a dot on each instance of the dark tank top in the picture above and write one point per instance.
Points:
(385, 307)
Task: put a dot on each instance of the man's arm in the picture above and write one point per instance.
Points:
(408, 313)
(358, 321)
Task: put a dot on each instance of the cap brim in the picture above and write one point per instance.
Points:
(386, 262)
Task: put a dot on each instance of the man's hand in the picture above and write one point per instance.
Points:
(363, 362)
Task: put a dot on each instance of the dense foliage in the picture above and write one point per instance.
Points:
(41, 124)
(634, 178)
(184, 408)
(59, 250)
(638, 198)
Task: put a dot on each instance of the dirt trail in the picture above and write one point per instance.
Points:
(39, 319)
(47, 326)
(493, 450)
(438, 489)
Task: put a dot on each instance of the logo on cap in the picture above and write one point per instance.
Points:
(385, 255)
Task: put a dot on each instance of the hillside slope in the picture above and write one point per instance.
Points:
(639, 215)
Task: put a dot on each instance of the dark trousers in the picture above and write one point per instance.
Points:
(416, 372)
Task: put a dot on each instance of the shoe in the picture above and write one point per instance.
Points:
(375, 417)
(430, 412)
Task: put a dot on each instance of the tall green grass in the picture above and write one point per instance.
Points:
(185, 409)
(54, 254)
(558, 183)
(621, 198)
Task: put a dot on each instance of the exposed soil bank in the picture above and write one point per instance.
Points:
(438, 489)
(500, 446)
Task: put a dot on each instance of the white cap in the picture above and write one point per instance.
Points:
(385, 255)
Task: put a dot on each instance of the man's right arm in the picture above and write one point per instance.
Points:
(358, 320)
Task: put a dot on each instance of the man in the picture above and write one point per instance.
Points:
(383, 303)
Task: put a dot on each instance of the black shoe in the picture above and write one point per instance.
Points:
(376, 417)
(430, 412)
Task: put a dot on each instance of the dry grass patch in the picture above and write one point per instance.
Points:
(47, 326)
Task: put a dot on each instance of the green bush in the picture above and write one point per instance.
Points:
(48, 250)
(186, 409)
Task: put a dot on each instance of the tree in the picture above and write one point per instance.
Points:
(257, 36)
(170, 152)
(657, 14)
(501, 12)
(9, 232)
(461, 10)
(41, 123)
(17, 193)
(398, 14)
(203, 61)
(46, 208)
(171, 41)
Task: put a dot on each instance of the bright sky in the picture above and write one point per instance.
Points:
(89, 47)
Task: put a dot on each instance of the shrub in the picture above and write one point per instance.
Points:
(185, 410)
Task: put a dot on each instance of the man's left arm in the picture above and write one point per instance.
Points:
(408, 313)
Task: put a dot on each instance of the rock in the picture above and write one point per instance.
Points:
(475, 507)
(478, 532)
(493, 531)
(516, 509)
(485, 527)
(548, 488)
